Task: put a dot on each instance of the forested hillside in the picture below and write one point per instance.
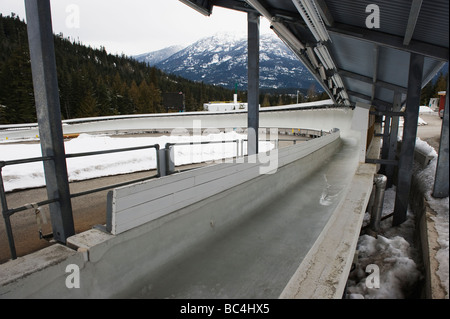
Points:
(91, 81)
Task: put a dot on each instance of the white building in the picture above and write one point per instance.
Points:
(434, 103)
(225, 106)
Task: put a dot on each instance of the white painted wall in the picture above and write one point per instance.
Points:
(323, 119)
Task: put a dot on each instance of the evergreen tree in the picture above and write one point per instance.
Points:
(427, 93)
(91, 82)
(88, 106)
(441, 84)
(16, 88)
(266, 101)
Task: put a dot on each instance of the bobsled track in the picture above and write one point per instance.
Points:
(282, 224)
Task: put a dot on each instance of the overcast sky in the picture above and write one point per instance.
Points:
(136, 26)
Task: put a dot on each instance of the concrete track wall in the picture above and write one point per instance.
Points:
(115, 265)
(323, 119)
(112, 266)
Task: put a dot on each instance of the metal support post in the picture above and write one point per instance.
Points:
(169, 158)
(9, 233)
(45, 82)
(393, 139)
(161, 162)
(253, 83)
(386, 140)
(378, 201)
(405, 165)
(440, 189)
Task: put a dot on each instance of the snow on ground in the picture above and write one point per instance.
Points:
(440, 206)
(394, 251)
(425, 109)
(32, 174)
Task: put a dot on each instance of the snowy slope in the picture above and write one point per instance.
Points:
(155, 57)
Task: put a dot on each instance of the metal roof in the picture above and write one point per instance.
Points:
(373, 63)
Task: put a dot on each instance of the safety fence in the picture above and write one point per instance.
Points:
(8, 212)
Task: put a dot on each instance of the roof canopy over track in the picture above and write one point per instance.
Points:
(359, 51)
(372, 54)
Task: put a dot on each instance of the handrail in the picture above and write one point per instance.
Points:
(198, 143)
(155, 146)
(7, 212)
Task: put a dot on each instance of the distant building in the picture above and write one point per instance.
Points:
(174, 102)
(434, 103)
(442, 96)
(225, 106)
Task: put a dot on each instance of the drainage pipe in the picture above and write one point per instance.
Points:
(380, 182)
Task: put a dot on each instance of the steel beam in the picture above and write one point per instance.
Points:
(253, 82)
(325, 13)
(406, 158)
(440, 189)
(389, 170)
(386, 141)
(376, 102)
(376, 55)
(202, 6)
(369, 80)
(45, 82)
(412, 20)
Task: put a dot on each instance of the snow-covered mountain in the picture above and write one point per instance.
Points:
(222, 60)
(155, 57)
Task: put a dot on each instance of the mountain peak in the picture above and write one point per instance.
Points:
(221, 59)
(154, 57)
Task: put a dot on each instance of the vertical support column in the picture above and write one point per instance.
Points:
(253, 83)
(440, 189)
(393, 139)
(405, 164)
(4, 206)
(386, 139)
(45, 82)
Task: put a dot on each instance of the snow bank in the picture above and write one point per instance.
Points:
(393, 251)
(425, 109)
(399, 273)
(440, 206)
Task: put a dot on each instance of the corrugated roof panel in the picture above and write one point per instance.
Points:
(384, 94)
(432, 25)
(353, 55)
(393, 66)
(393, 14)
(358, 86)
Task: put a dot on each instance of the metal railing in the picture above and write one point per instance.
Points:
(7, 212)
(170, 158)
